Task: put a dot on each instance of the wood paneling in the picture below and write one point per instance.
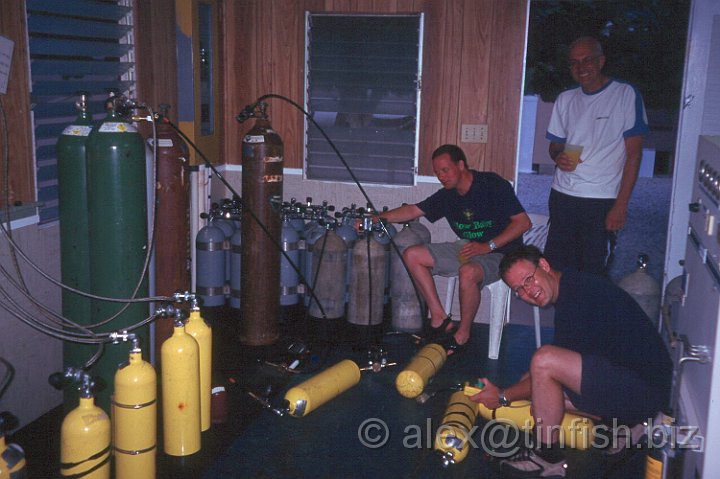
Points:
(472, 71)
(475, 77)
(505, 88)
(16, 107)
(155, 55)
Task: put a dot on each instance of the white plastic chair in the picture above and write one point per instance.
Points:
(537, 236)
(500, 293)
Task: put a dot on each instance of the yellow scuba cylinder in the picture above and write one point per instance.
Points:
(199, 329)
(575, 431)
(85, 436)
(321, 388)
(12, 456)
(180, 381)
(411, 381)
(452, 439)
(134, 417)
(664, 459)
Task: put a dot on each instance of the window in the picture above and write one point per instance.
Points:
(75, 45)
(363, 89)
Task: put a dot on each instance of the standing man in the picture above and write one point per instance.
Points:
(606, 360)
(589, 200)
(483, 211)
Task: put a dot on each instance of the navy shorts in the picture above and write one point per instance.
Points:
(612, 392)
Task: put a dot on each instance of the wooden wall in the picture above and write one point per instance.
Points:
(156, 61)
(16, 106)
(472, 71)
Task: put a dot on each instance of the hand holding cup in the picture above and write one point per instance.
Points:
(572, 152)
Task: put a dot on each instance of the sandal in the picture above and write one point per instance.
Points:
(442, 330)
(452, 347)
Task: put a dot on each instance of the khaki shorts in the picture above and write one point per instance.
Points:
(447, 263)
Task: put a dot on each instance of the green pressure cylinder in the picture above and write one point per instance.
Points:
(74, 234)
(117, 218)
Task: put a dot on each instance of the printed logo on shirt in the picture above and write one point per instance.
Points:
(473, 230)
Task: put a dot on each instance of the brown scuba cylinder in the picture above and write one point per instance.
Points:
(172, 228)
(262, 182)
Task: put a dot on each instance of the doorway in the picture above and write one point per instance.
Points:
(639, 39)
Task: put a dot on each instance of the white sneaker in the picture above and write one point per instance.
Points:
(526, 463)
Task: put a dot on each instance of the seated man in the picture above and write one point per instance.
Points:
(606, 360)
(482, 210)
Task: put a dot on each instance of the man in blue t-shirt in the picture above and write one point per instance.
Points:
(606, 360)
(483, 211)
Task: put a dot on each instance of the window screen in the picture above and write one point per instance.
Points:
(75, 45)
(363, 89)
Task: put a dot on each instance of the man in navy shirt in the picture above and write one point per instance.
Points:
(606, 360)
(482, 209)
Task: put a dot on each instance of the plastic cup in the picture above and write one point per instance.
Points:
(462, 259)
(573, 152)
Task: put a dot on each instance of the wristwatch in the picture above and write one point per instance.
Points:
(492, 245)
(502, 399)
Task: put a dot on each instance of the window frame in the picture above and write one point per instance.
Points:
(46, 163)
(307, 160)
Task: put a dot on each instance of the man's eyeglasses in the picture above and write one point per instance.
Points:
(584, 62)
(527, 283)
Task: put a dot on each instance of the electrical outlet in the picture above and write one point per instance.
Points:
(474, 134)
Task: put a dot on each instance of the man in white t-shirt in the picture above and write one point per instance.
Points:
(589, 199)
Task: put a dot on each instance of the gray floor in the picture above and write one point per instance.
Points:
(645, 232)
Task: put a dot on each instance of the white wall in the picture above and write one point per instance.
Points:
(33, 355)
(699, 114)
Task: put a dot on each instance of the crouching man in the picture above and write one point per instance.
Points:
(606, 360)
